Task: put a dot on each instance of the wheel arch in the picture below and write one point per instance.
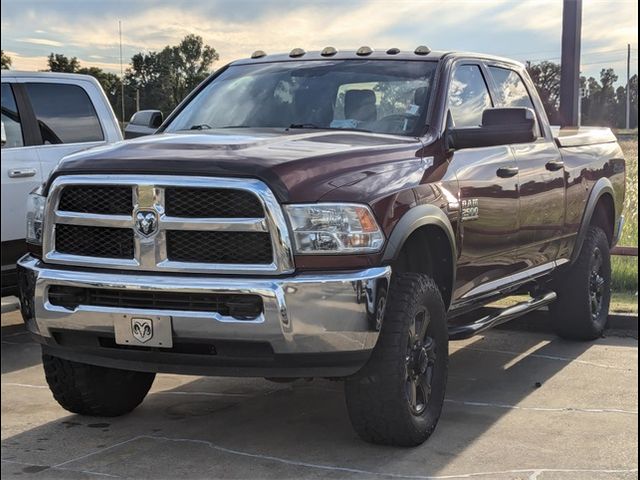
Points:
(601, 211)
(423, 241)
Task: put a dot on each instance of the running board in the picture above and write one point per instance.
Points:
(460, 332)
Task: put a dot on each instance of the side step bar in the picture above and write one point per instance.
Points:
(460, 332)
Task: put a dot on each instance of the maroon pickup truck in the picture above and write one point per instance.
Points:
(321, 214)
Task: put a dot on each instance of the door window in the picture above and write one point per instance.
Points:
(64, 113)
(511, 89)
(468, 96)
(11, 126)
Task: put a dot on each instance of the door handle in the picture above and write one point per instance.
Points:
(554, 165)
(507, 172)
(22, 172)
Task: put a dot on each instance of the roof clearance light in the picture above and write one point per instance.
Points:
(328, 51)
(297, 52)
(258, 54)
(364, 51)
(422, 50)
(393, 51)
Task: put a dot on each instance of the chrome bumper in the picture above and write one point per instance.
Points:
(302, 314)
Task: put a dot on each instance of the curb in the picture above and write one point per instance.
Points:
(10, 304)
(623, 321)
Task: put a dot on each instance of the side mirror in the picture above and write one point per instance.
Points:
(500, 126)
(144, 122)
(3, 135)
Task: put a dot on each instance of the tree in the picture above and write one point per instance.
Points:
(164, 78)
(58, 62)
(546, 77)
(6, 61)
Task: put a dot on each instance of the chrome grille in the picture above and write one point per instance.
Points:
(95, 241)
(110, 200)
(212, 202)
(173, 224)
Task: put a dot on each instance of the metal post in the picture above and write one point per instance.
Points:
(137, 99)
(121, 72)
(628, 108)
(570, 63)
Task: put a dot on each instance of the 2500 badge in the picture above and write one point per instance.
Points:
(470, 209)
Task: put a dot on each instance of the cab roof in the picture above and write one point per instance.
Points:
(390, 54)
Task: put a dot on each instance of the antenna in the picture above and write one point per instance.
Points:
(121, 73)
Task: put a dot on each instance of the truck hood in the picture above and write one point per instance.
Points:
(297, 166)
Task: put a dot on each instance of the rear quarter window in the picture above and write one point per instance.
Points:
(64, 113)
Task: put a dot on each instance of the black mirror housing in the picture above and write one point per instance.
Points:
(500, 126)
(144, 122)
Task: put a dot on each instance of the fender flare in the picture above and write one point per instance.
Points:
(415, 218)
(602, 186)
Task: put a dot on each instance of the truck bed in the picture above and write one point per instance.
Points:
(581, 136)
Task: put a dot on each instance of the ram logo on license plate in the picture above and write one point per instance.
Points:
(142, 329)
(151, 331)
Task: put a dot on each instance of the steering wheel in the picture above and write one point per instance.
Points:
(389, 120)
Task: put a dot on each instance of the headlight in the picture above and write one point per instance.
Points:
(35, 216)
(330, 228)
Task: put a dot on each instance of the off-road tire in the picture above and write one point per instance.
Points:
(377, 398)
(92, 390)
(573, 312)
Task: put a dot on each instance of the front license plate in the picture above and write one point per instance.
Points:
(144, 331)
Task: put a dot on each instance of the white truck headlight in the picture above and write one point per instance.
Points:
(334, 228)
(35, 216)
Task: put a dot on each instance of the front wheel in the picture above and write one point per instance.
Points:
(397, 398)
(92, 390)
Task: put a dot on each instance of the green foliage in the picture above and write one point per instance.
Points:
(6, 61)
(602, 105)
(546, 77)
(58, 62)
(625, 269)
(164, 78)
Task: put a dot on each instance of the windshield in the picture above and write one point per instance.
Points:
(372, 95)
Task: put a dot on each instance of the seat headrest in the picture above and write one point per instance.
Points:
(360, 105)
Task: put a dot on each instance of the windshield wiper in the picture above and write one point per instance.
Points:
(303, 125)
(202, 126)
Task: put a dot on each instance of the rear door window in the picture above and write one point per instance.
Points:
(511, 89)
(11, 125)
(64, 113)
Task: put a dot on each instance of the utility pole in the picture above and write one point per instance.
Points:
(121, 72)
(628, 110)
(570, 62)
(137, 99)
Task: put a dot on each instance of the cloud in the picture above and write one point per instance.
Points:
(41, 41)
(524, 30)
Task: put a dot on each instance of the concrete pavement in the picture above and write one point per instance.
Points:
(520, 405)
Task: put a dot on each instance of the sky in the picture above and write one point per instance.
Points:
(519, 29)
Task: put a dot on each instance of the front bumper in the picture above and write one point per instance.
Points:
(322, 324)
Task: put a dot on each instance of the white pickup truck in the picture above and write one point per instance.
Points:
(45, 116)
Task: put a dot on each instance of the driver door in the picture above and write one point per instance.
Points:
(488, 185)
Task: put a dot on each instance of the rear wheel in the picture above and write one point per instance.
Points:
(92, 390)
(584, 291)
(397, 398)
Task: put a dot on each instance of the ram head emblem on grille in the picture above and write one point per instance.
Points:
(146, 223)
